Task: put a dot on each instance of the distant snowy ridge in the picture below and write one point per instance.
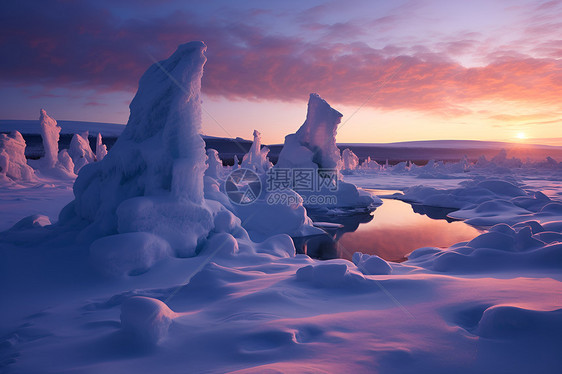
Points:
(465, 144)
(67, 127)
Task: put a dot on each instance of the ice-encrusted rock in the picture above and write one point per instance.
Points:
(152, 180)
(13, 163)
(50, 132)
(256, 158)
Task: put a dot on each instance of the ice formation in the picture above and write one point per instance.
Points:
(80, 151)
(313, 147)
(101, 149)
(13, 164)
(256, 158)
(350, 161)
(369, 164)
(314, 144)
(214, 164)
(50, 133)
(152, 180)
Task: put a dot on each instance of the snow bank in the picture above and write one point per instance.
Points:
(333, 274)
(256, 158)
(146, 320)
(128, 254)
(371, 265)
(504, 248)
(13, 163)
(485, 202)
(152, 180)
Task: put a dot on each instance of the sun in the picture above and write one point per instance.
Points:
(521, 136)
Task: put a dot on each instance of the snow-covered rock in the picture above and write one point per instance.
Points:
(13, 163)
(256, 158)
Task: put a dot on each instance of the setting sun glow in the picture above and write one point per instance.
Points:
(521, 136)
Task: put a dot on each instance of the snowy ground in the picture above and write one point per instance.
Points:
(253, 314)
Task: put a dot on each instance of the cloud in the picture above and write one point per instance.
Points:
(75, 44)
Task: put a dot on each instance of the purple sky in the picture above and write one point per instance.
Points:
(397, 70)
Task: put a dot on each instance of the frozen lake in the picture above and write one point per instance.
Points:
(391, 232)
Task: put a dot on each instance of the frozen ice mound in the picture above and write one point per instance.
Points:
(371, 264)
(508, 322)
(152, 180)
(13, 164)
(313, 147)
(332, 274)
(146, 320)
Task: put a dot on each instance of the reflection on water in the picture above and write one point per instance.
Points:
(391, 232)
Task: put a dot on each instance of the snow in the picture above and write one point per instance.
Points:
(313, 147)
(50, 133)
(314, 144)
(13, 164)
(350, 160)
(101, 149)
(152, 180)
(67, 127)
(80, 151)
(151, 268)
(214, 164)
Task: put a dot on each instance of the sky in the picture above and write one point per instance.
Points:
(397, 70)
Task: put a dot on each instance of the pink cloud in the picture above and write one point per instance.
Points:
(74, 44)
